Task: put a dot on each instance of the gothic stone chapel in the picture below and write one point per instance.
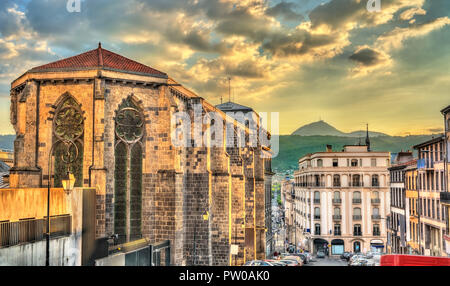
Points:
(116, 115)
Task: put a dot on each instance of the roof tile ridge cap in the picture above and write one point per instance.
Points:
(133, 61)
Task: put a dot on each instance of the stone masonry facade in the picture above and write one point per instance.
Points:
(179, 184)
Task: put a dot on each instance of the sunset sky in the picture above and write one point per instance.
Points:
(306, 59)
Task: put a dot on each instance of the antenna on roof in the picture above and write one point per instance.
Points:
(229, 89)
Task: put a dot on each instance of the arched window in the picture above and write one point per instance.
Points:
(337, 211)
(319, 163)
(357, 212)
(356, 181)
(336, 181)
(316, 197)
(316, 213)
(337, 195)
(317, 229)
(68, 137)
(376, 211)
(375, 181)
(354, 163)
(375, 195)
(357, 195)
(129, 130)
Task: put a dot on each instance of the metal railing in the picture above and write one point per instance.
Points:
(357, 217)
(32, 230)
(316, 216)
(376, 216)
(356, 201)
(317, 201)
(337, 201)
(337, 217)
(375, 201)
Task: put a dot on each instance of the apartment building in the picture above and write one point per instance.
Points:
(342, 200)
(398, 219)
(425, 181)
(288, 199)
(445, 195)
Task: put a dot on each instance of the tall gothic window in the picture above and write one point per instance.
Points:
(68, 135)
(129, 130)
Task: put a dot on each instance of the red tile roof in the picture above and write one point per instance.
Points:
(100, 58)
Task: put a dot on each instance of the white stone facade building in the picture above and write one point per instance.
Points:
(342, 200)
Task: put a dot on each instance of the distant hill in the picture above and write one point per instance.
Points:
(324, 129)
(293, 147)
(7, 142)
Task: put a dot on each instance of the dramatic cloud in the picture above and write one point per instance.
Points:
(369, 59)
(285, 10)
(395, 38)
(410, 13)
(288, 54)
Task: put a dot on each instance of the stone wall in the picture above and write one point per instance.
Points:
(180, 184)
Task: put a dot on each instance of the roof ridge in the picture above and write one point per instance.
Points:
(64, 59)
(99, 58)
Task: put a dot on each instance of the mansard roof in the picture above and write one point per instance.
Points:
(102, 59)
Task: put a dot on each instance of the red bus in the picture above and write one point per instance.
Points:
(413, 260)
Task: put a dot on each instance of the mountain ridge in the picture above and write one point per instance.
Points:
(322, 128)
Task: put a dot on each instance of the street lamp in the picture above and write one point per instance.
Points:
(68, 183)
(205, 217)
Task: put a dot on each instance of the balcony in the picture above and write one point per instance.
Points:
(337, 233)
(357, 233)
(32, 230)
(337, 201)
(337, 217)
(316, 216)
(317, 201)
(376, 233)
(356, 184)
(445, 198)
(356, 201)
(357, 217)
(375, 201)
(375, 216)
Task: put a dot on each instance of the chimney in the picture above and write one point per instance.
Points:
(329, 148)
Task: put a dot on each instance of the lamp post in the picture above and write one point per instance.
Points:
(67, 183)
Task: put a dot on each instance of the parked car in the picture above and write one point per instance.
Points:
(275, 262)
(258, 263)
(296, 258)
(320, 254)
(303, 256)
(346, 255)
(308, 255)
(290, 262)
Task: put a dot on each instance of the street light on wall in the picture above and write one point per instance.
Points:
(68, 183)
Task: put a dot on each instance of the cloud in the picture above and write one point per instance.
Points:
(394, 39)
(368, 59)
(351, 14)
(286, 10)
(410, 13)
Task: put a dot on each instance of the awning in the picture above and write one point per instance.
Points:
(376, 241)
